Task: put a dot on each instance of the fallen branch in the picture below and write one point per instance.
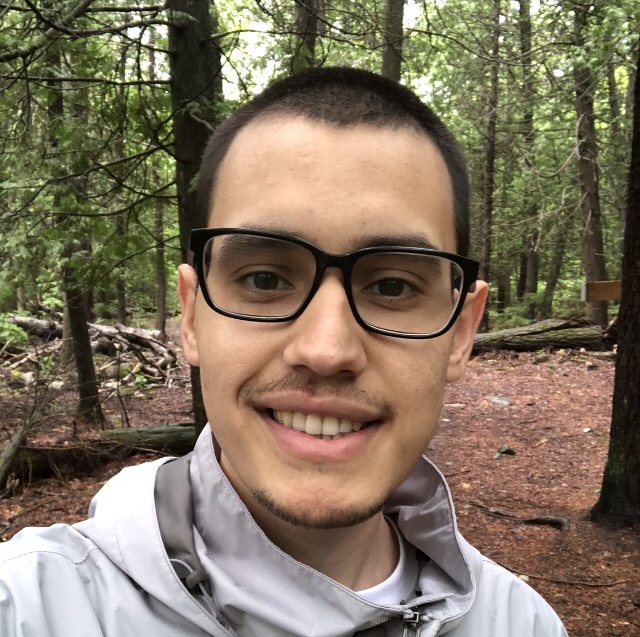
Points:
(550, 520)
(25, 461)
(552, 333)
(556, 580)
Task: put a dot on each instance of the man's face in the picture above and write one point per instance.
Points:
(337, 188)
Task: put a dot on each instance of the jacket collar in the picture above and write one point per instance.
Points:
(250, 577)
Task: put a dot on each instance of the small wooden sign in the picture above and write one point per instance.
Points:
(601, 291)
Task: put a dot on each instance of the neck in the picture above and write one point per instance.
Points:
(357, 557)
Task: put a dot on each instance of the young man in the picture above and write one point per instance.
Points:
(327, 305)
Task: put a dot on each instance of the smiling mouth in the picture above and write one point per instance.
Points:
(321, 427)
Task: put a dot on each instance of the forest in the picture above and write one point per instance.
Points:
(105, 109)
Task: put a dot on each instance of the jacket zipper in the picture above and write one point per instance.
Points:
(412, 624)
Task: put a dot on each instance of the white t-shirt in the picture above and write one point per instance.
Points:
(401, 585)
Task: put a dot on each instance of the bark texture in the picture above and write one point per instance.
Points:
(196, 88)
(592, 242)
(553, 333)
(619, 502)
(308, 21)
(486, 221)
(530, 205)
(393, 36)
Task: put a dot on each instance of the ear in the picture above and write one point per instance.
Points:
(465, 329)
(187, 294)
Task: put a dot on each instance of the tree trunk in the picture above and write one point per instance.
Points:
(66, 352)
(619, 501)
(503, 296)
(521, 284)
(530, 205)
(21, 298)
(489, 173)
(553, 275)
(121, 294)
(304, 55)
(196, 88)
(553, 333)
(592, 243)
(531, 281)
(121, 222)
(161, 271)
(393, 37)
(88, 408)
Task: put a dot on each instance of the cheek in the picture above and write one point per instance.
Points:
(418, 375)
(231, 353)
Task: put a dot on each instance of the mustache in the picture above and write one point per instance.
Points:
(344, 389)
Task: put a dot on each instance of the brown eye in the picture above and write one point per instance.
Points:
(265, 280)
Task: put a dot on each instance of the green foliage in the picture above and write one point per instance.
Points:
(87, 159)
(11, 333)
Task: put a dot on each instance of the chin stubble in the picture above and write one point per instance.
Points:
(319, 520)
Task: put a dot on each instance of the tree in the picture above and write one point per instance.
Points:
(489, 174)
(308, 19)
(619, 501)
(587, 149)
(393, 36)
(196, 89)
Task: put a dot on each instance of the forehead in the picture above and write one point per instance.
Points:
(331, 184)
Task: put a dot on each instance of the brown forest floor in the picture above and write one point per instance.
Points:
(552, 410)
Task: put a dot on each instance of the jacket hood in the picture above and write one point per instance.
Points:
(143, 519)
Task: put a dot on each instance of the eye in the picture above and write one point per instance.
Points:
(265, 281)
(390, 287)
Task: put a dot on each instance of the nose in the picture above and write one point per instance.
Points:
(326, 339)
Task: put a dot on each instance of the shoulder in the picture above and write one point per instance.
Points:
(59, 541)
(43, 576)
(509, 606)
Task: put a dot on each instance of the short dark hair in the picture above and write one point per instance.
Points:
(343, 97)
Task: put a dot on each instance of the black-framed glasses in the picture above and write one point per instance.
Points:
(407, 292)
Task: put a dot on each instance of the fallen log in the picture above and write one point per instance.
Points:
(44, 330)
(176, 440)
(107, 339)
(30, 461)
(552, 333)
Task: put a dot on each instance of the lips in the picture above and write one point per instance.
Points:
(324, 427)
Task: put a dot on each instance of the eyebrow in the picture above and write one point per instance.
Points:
(235, 242)
(402, 240)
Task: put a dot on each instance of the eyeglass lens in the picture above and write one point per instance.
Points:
(265, 277)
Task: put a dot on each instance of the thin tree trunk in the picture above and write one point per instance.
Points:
(503, 296)
(66, 352)
(21, 298)
(121, 294)
(304, 55)
(553, 276)
(531, 282)
(161, 271)
(489, 178)
(521, 285)
(619, 501)
(592, 242)
(196, 87)
(88, 408)
(393, 37)
(528, 131)
(121, 224)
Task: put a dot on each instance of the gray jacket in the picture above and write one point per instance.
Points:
(131, 569)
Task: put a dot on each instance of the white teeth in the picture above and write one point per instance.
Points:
(330, 426)
(299, 421)
(324, 427)
(313, 425)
